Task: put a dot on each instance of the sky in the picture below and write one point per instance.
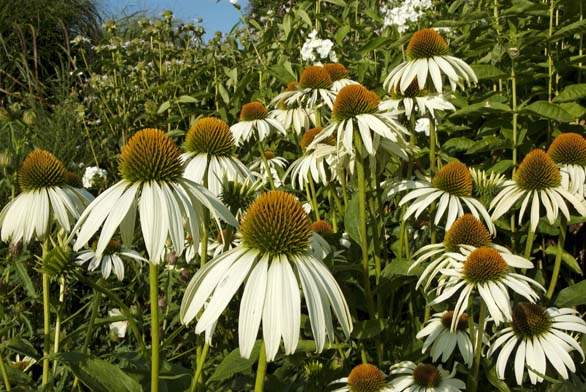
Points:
(217, 15)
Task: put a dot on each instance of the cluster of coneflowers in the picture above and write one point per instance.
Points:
(268, 244)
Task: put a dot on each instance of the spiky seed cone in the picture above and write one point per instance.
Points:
(269, 154)
(310, 134)
(537, 171)
(467, 230)
(366, 378)
(484, 265)
(73, 180)
(568, 149)
(315, 77)
(427, 376)
(41, 169)
(412, 91)
(337, 71)
(455, 179)
(150, 155)
(276, 223)
(426, 43)
(353, 100)
(462, 324)
(211, 136)
(253, 111)
(530, 320)
(292, 86)
(322, 226)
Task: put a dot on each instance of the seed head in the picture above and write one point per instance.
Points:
(427, 376)
(366, 378)
(484, 265)
(353, 100)
(253, 111)
(537, 171)
(337, 71)
(315, 77)
(568, 149)
(455, 179)
(530, 320)
(467, 230)
(425, 44)
(210, 136)
(41, 169)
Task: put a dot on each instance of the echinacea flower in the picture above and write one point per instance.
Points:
(339, 75)
(255, 123)
(424, 378)
(111, 259)
(274, 258)
(364, 378)
(314, 164)
(356, 110)
(313, 90)
(568, 151)
(210, 146)
(486, 185)
(442, 340)
(291, 115)
(451, 188)
(539, 336)
(537, 180)
(486, 271)
(276, 166)
(153, 185)
(45, 197)
(416, 98)
(427, 57)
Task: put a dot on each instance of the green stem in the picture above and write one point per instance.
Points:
(558, 260)
(204, 224)
(266, 164)
(261, 369)
(529, 243)
(58, 318)
(199, 368)
(473, 378)
(4, 373)
(432, 146)
(313, 198)
(46, 328)
(154, 300)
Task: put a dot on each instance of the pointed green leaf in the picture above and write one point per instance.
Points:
(485, 71)
(224, 93)
(164, 107)
(233, 364)
(571, 93)
(572, 296)
(352, 219)
(341, 3)
(567, 258)
(482, 107)
(25, 278)
(368, 329)
(303, 15)
(572, 28)
(373, 44)
(187, 99)
(549, 110)
(21, 346)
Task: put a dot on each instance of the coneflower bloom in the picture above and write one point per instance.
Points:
(539, 336)
(356, 109)
(293, 116)
(209, 145)
(315, 163)
(275, 164)
(339, 75)
(255, 123)
(424, 378)
(451, 188)
(486, 185)
(485, 270)
(415, 98)
(314, 89)
(111, 260)
(274, 258)
(441, 340)
(568, 151)
(153, 185)
(427, 58)
(364, 378)
(45, 197)
(537, 180)
(238, 195)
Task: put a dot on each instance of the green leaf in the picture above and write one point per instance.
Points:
(186, 99)
(97, 374)
(400, 267)
(164, 107)
(224, 93)
(341, 3)
(368, 329)
(373, 44)
(576, 110)
(501, 166)
(303, 15)
(341, 33)
(490, 372)
(488, 143)
(567, 258)
(571, 93)
(21, 346)
(570, 29)
(482, 107)
(25, 279)
(549, 110)
(352, 219)
(572, 296)
(458, 143)
(233, 363)
(485, 71)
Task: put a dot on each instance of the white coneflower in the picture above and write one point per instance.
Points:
(111, 260)
(45, 197)
(315, 163)
(209, 144)
(537, 180)
(427, 57)
(275, 164)
(568, 151)
(255, 123)
(418, 99)
(291, 115)
(339, 75)
(539, 336)
(274, 258)
(364, 378)
(424, 378)
(313, 90)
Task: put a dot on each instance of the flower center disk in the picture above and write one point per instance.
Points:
(310, 134)
(315, 77)
(354, 100)
(455, 179)
(568, 149)
(41, 169)
(462, 323)
(366, 378)
(276, 223)
(530, 320)
(484, 265)
(425, 44)
(337, 71)
(467, 230)
(253, 111)
(322, 226)
(150, 155)
(537, 171)
(211, 136)
(427, 376)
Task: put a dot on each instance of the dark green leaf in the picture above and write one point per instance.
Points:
(374, 43)
(485, 71)
(187, 99)
(571, 93)
(549, 110)
(572, 296)
(458, 143)
(400, 267)
(572, 28)
(567, 258)
(233, 363)
(482, 107)
(352, 219)
(21, 346)
(25, 279)
(576, 110)
(368, 329)
(303, 15)
(501, 166)
(224, 93)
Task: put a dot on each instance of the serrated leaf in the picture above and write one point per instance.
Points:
(368, 329)
(571, 93)
(164, 107)
(352, 219)
(458, 143)
(186, 99)
(567, 258)
(21, 346)
(233, 364)
(486, 71)
(572, 296)
(548, 110)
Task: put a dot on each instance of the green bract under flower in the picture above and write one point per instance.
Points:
(211, 136)
(315, 77)
(568, 149)
(467, 230)
(276, 223)
(455, 179)
(483, 265)
(150, 155)
(537, 172)
(530, 320)
(426, 43)
(366, 378)
(253, 111)
(41, 169)
(427, 376)
(354, 100)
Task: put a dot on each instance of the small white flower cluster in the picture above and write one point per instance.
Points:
(315, 50)
(91, 174)
(401, 13)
